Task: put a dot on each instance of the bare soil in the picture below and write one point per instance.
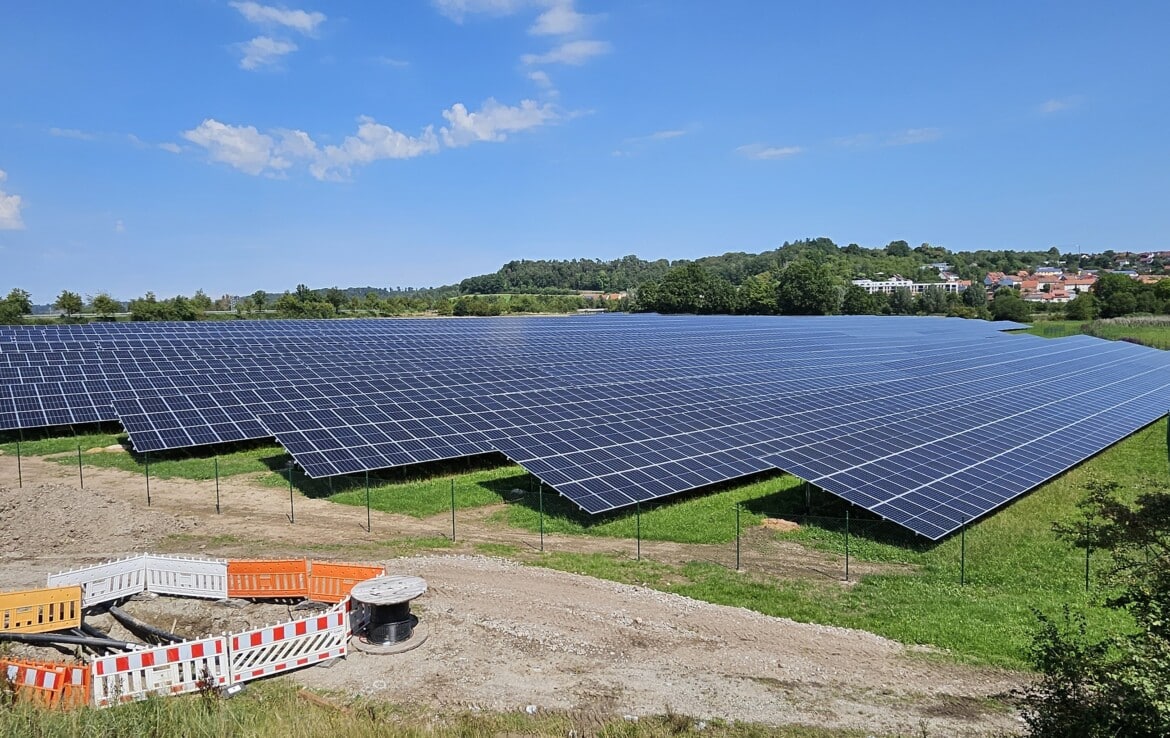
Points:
(501, 635)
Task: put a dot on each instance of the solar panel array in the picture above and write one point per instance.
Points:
(928, 422)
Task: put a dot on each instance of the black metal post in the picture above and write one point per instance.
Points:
(540, 499)
(369, 525)
(639, 530)
(963, 555)
(737, 536)
(147, 455)
(19, 472)
(80, 474)
(292, 513)
(217, 485)
(847, 544)
(452, 509)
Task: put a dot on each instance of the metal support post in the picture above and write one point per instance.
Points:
(80, 474)
(19, 472)
(737, 536)
(369, 525)
(292, 512)
(217, 485)
(639, 529)
(847, 544)
(452, 509)
(147, 455)
(1088, 549)
(963, 555)
(540, 499)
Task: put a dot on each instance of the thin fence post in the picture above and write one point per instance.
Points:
(369, 525)
(846, 544)
(292, 512)
(147, 455)
(963, 555)
(452, 509)
(638, 528)
(80, 474)
(217, 485)
(540, 499)
(737, 506)
(19, 472)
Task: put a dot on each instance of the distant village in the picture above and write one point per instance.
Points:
(1044, 285)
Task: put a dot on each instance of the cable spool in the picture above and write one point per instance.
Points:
(387, 600)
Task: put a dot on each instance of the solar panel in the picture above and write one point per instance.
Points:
(898, 415)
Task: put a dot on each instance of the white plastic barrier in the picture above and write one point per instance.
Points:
(164, 670)
(357, 615)
(106, 582)
(184, 577)
(277, 648)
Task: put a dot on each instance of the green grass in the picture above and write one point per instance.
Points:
(1150, 331)
(705, 518)
(38, 445)
(1014, 565)
(273, 709)
(423, 498)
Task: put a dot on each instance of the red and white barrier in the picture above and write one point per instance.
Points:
(41, 683)
(187, 577)
(164, 670)
(277, 648)
(106, 582)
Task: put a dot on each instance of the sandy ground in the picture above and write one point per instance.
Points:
(501, 635)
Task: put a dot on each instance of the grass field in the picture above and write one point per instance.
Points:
(1150, 331)
(277, 709)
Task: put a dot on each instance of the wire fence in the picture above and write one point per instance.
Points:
(769, 535)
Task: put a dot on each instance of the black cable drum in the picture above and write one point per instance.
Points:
(387, 602)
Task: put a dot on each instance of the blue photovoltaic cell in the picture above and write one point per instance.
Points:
(927, 422)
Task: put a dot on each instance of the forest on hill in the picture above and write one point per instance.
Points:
(846, 263)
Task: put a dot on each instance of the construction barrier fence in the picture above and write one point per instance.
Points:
(274, 578)
(164, 670)
(192, 665)
(40, 610)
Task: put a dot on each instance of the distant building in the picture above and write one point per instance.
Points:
(895, 283)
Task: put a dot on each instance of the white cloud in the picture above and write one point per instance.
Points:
(274, 152)
(493, 121)
(71, 133)
(10, 206)
(243, 147)
(389, 61)
(914, 136)
(373, 142)
(263, 51)
(119, 226)
(541, 78)
(174, 148)
(457, 10)
(664, 135)
(760, 151)
(575, 53)
(302, 21)
(560, 19)
(1059, 105)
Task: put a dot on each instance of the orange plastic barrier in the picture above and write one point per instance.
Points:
(35, 681)
(332, 582)
(40, 610)
(75, 690)
(268, 579)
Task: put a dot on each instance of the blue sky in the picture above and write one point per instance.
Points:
(234, 146)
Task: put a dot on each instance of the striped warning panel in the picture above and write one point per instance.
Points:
(35, 681)
(277, 648)
(174, 669)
